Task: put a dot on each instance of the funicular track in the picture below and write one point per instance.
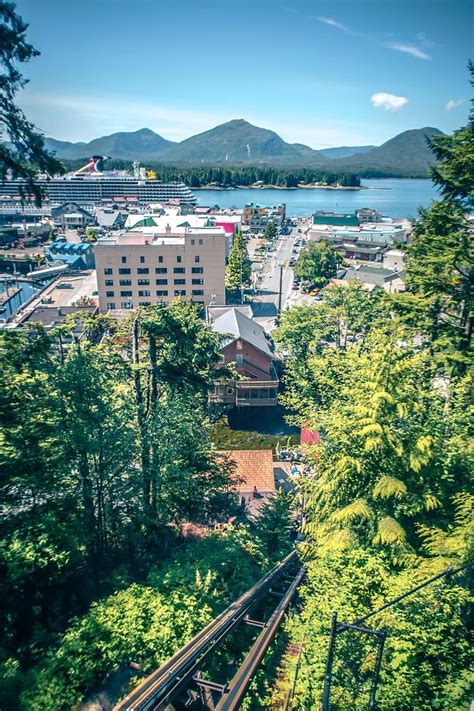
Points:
(178, 683)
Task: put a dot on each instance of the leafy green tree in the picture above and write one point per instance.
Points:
(317, 263)
(25, 156)
(239, 268)
(270, 231)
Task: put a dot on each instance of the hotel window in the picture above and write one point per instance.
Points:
(162, 293)
(197, 281)
(142, 260)
(124, 260)
(197, 270)
(161, 282)
(126, 305)
(180, 292)
(124, 271)
(143, 270)
(197, 259)
(145, 292)
(108, 271)
(125, 293)
(161, 270)
(160, 260)
(111, 305)
(125, 282)
(201, 241)
(197, 292)
(143, 282)
(110, 293)
(179, 270)
(144, 303)
(178, 259)
(193, 241)
(109, 282)
(180, 281)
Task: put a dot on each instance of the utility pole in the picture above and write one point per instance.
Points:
(280, 287)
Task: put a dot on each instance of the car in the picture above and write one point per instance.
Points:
(314, 292)
(292, 262)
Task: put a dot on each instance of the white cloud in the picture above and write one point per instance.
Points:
(410, 49)
(389, 102)
(332, 23)
(454, 103)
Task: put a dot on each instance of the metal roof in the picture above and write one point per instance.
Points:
(236, 324)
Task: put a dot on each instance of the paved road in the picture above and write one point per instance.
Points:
(265, 303)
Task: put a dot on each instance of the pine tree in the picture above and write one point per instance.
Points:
(239, 268)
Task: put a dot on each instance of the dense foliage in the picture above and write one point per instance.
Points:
(317, 263)
(105, 451)
(231, 177)
(385, 381)
(239, 268)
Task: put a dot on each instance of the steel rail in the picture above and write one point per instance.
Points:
(236, 690)
(162, 685)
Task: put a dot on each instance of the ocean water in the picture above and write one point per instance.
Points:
(392, 197)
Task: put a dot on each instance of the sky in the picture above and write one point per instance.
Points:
(323, 73)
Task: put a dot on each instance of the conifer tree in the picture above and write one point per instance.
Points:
(239, 269)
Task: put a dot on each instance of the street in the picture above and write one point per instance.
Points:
(265, 301)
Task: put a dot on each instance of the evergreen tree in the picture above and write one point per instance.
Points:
(239, 268)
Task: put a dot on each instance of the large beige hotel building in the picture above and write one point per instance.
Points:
(151, 265)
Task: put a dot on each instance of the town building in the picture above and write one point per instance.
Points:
(247, 347)
(254, 469)
(70, 215)
(365, 242)
(257, 217)
(77, 255)
(372, 278)
(154, 262)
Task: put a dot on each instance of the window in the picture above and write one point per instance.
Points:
(197, 259)
(179, 270)
(161, 270)
(239, 358)
(197, 270)
(111, 305)
(197, 292)
(160, 260)
(180, 292)
(124, 271)
(161, 282)
(108, 271)
(142, 260)
(197, 281)
(162, 293)
(178, 259)
(110, 293)
(143, 270)
(109, 282)
(125, 293)
(144, 303)
(126, 305)
(143, 282)
(201, 242)
(180, 281)
(124, 260)
(193, 241)
(145, 292)
(125, 282)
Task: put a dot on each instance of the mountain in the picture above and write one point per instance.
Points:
(238, 141)
(137, 145)
(405, 155)
(345, 151)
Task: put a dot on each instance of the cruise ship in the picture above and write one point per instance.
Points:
(92, 186)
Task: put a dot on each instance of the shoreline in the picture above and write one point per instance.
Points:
(282, 187)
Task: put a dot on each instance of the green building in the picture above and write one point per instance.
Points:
(338, 219)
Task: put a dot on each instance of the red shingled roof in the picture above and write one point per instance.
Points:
(255, 467)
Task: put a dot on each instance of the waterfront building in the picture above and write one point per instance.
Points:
(257, 217)
(77, 255)
(70, 215)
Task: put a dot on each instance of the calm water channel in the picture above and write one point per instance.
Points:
(394, 198)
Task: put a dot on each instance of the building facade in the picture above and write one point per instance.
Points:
(139, 269)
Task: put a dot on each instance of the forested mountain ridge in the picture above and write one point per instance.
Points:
(239, 143)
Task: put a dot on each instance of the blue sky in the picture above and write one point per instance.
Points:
(344, 72)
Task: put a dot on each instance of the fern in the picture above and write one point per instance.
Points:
(389, 531)
(388, 486)
(358, 509)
